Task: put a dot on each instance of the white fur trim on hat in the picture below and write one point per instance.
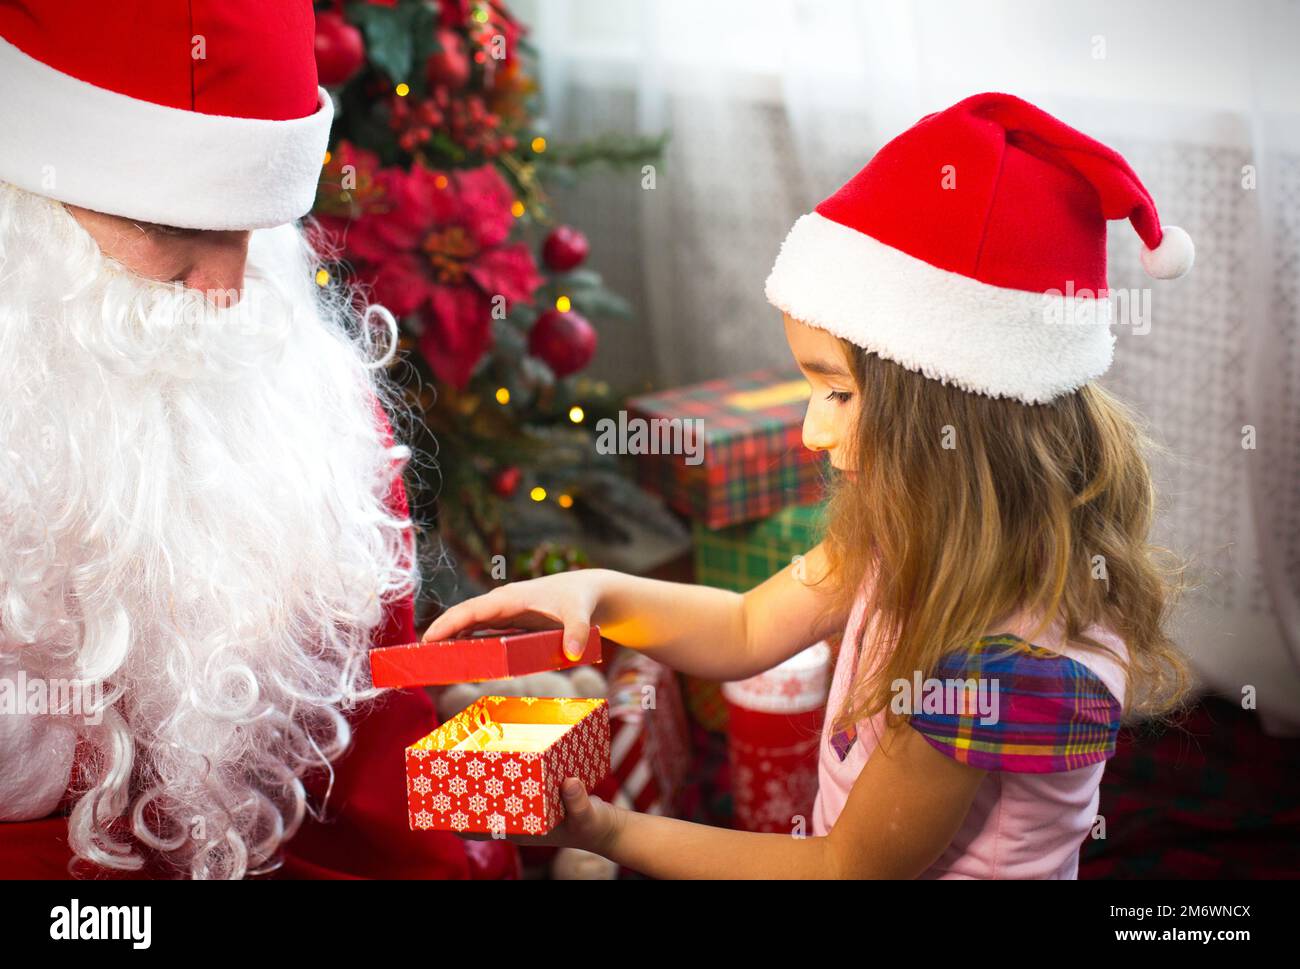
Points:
(87, 146)
(985, 339)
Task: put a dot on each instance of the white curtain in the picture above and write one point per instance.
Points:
(772, 104)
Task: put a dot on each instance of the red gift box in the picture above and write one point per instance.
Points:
(496, 767)
(492, 655)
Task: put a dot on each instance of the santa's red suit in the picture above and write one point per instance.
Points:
(200, 114)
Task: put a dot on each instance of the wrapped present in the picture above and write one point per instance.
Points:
(490, 655)
(496, 767)
(725, 451)
(650, 746)
(773, 729)
(704, 702)
(744, 556)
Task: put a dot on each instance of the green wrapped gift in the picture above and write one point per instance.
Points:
(742, 556)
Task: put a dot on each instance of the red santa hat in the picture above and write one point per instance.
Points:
(972, 249)
(203, 114)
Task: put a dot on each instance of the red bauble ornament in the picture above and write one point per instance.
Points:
(565, 249)
(506, 482)
(340, 51)
(565, 342)
(450, 66)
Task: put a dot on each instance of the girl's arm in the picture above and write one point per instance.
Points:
(715, 634)
(903, 811)
(706, 632)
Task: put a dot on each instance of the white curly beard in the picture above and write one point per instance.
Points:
(192, 514)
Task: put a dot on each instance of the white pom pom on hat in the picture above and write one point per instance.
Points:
(1173, 257)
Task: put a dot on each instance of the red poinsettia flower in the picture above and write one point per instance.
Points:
(453, 13)
(437, 245)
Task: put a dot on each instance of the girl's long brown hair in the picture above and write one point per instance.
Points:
(967, 509)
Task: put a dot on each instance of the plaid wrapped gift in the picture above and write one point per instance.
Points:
(743, 556)
(753, 462)
(704, 702)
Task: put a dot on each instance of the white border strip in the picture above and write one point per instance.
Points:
(71, 141)
(986, 339)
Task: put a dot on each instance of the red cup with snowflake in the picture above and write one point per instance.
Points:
(774, 723)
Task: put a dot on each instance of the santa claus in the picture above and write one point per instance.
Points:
(202, 523)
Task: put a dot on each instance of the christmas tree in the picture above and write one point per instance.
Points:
(434, 198)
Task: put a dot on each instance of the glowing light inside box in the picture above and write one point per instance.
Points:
(510, 724)
(514, 737)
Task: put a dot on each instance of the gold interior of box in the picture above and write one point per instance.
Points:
(510, 724)
(517, 737)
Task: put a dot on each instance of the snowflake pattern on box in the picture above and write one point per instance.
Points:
(487, 792)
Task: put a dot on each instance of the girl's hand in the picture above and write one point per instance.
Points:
(567, 600)
(589, 823)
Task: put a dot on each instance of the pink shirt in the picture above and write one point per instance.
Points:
(1020, 825)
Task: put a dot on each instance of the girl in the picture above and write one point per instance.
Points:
(987, 529)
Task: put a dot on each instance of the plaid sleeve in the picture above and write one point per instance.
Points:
(1004, 704)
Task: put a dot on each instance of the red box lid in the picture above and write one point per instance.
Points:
(491, 655)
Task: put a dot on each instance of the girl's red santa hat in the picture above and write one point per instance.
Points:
(203, 114)
(972, 249)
